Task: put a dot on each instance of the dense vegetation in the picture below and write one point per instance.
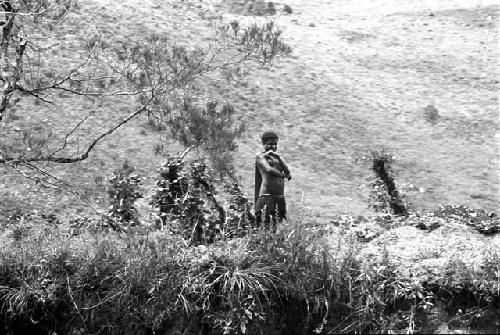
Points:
(300, 280)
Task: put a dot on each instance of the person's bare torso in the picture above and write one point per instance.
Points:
(272, 185)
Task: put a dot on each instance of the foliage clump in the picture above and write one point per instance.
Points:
(123, 191)
(484, 222)
(21, 216)
(287, 9)
(213, 129)
(185, 201)
(239, 213)
(431, 114)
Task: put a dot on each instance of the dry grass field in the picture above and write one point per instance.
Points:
(360, 78)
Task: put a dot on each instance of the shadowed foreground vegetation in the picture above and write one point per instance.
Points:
(303, 279)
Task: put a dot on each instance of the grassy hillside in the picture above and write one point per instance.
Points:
(360, 78)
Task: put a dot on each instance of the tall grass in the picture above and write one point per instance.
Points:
(301, 279)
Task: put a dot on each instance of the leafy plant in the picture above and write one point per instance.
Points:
(212, 129)
(185, 200)
(123, 191)
(169, 189)
(239, 216)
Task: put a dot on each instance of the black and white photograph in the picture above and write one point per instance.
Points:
(249, 167)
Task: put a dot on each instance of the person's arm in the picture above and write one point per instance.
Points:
(283, 164)
(264, 166)
(258, 182)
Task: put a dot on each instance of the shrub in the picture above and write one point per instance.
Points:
(213, 129)
(239, 216)
(271, 9)
(431, 114)
(185, 201)
(123, 191)
(287, 9)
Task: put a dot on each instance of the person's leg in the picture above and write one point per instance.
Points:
(274, 213)
(259, 207)
(263, 211)
(279, 212)
(269, 211)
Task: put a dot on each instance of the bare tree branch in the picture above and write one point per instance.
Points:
(40, 9)
(81, 157)
(12, 70)
(48, 176)
(43, 181)
(82, 121)
(46, 180)
(157, 70)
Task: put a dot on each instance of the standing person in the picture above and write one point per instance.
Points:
(270, 173)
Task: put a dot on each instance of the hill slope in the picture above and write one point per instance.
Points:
(360, 78)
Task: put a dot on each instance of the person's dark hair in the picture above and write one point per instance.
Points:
(269, 135)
